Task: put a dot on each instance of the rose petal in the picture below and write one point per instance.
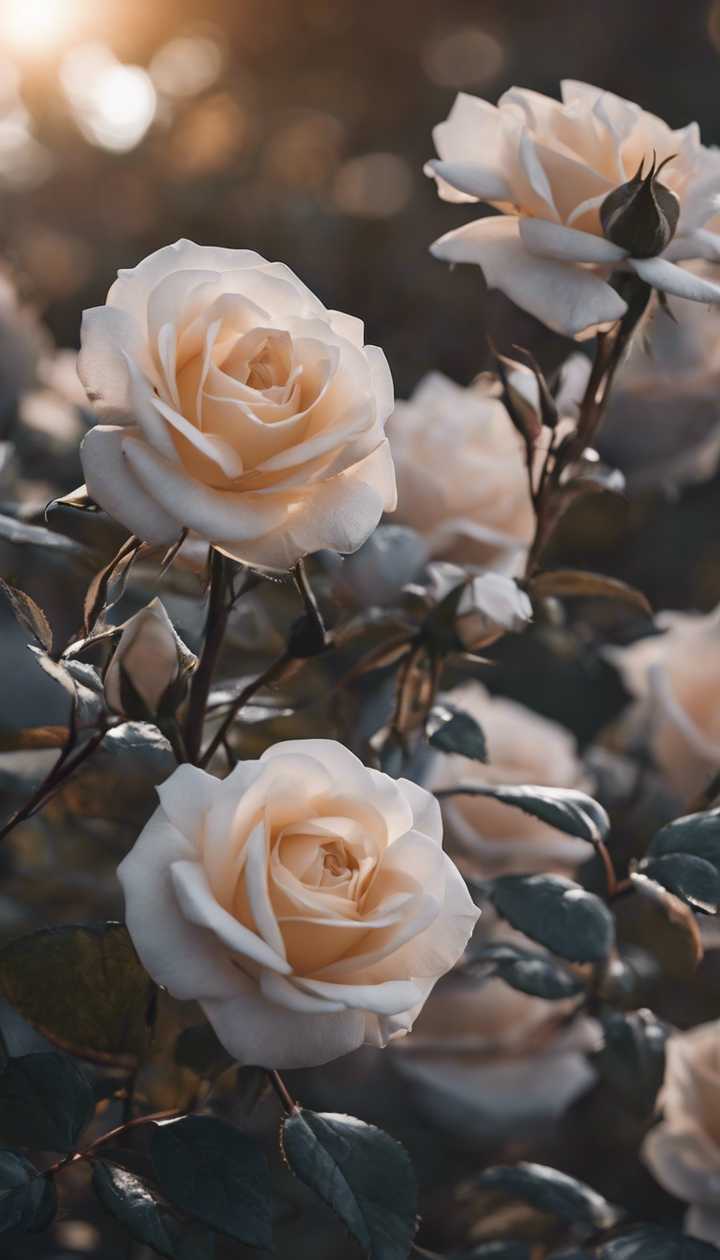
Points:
(553, 240)
(112, 484)
(668, 278)
(199, 906)
(255, 1031)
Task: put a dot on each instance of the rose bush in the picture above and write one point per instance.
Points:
(674, 676)
(523, 747)
(233, 404)
(305, 902)
(683, 1151)
(548, 166)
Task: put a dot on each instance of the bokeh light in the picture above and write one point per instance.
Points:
(113, 104)
(374, 186)
(39, 25)
(464, 57)
(186, 65)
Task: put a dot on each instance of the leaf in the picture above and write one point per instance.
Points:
(495, 1251)
(216, 1174)
(554, 1193)
(22, 532)
(556, 913)
(453, 731)
(361, 1173)
(28, 1201)
(564, 583)
(118, 782)
(651, 1242)
(632, 1059)
(568, 810)
(691, 878)
(661, 923)
(696, 834)
(149, 1221)
(29, 615)
(83, 988)
(45, 1102)
(530, 972)
(198, 1048)
(108, 585)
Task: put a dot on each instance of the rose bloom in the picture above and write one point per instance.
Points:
(233, 404)
(547, 166)
(683, 1152)
(676, 679)
(305, 901)
(523, 748)
(489, 1063)
(461, 473)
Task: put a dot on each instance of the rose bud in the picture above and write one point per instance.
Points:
(148, 672)
(641, 216)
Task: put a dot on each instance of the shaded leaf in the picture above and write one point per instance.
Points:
(661, 923)
(696, 834)
(529, 972)
(651, 1242)
(632, 1059)
(28, 1201)
(198, 1048)
(217, 1175)
(147, 1219)
(554, 1193)
(565, 583)
(22, 532)
(495, 1251)
(556, 913)
(566, 809)
(82, 987)
(691, 878)
(29, 615)
(45, 1102)
(453, 731)
(118, 782)
(361, 1173)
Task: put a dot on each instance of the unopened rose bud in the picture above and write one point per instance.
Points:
(490, 604)
(148, 672)
(641, 216)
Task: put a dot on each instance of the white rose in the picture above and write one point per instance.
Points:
(234, 405)
(151, 656)
(547, 166)
(491, 603)
(676, 679)
(491, 1063)
(683, 1152)
(305, 902)
(462, 476)
(523, 748)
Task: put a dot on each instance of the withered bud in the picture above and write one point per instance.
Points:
(641, 216)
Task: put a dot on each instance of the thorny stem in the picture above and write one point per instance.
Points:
(312, 607)
(215, 623)
(64, 767)
(273, 672)
(289, 1105)
(77, 1156)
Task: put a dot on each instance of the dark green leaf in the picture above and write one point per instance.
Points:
(530, 972)
(563, 583)
(27, 1200)
(147, 1219)
(569, 811)
(554, 1193)
(556, 913)
(29, 615)
(632, 1059)
(660, 922)
(45, 1102)
(198, 1048)
(650, 1242)
(361, 1173)
(83, 988)
(456, 732)
(495, 1251)
(691, 878)
(217, 1175)
(696, 834)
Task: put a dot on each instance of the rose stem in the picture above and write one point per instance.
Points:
(216, 621)
(290, 1107)
(273, 671)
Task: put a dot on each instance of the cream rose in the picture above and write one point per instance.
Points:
(548, 166)
(683, 1152)
(490, 1063)
(461, 473)
(676, 679)
(233, 404)
(523, 748)
(151, 658)
(305, 902)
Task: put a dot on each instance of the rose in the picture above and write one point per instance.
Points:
(462, 477)
(683, 1152)
(149, 667)
(523, 748)
(548, 166)
(675, 678)
(489, 1063)
(305, 902)
(490, 605)
(236, 406)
